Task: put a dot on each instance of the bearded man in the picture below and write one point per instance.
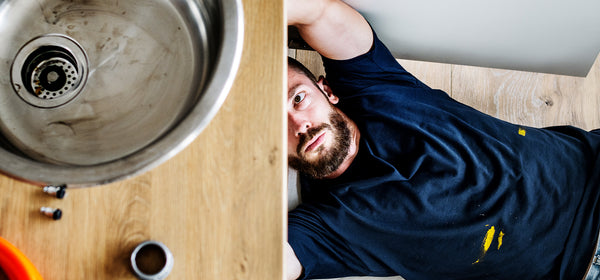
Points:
(400, 179)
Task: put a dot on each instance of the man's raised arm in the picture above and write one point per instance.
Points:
(331, 27)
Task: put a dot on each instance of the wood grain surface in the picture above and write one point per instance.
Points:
(218, 205)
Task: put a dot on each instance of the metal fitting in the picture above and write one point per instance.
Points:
(151, 260)
(55, 214)
(57, 191)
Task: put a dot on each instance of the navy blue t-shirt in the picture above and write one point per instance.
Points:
(439, 190)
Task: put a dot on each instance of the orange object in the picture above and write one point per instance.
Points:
(15, 264)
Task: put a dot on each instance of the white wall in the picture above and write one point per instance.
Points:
(550, 36)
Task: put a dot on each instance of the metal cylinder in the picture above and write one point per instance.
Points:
(151, 260)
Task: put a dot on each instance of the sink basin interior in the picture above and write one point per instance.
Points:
(140, 69)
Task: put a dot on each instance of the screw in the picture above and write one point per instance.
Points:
(58, 191)
(55, 214)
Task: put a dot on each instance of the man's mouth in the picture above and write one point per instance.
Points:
(315, 142)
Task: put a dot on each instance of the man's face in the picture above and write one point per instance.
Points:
(318, 135)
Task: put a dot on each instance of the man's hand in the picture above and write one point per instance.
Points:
(293, 266)
(331, 27)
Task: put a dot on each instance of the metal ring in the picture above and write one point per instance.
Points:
(151, 260)
(37, 54)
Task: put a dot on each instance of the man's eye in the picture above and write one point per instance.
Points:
(299, 97)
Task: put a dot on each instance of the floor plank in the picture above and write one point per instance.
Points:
(532, 99)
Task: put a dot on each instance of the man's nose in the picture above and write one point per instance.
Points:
(298, 124)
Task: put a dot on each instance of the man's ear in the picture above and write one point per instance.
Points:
(322, 82)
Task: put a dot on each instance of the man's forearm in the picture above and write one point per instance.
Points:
(331, 27)
(302, 12)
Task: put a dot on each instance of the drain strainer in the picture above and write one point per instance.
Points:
(49, 71)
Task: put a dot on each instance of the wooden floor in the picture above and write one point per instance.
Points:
(217, 204)
(525, 98)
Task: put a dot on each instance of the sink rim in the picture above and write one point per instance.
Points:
(168, 145)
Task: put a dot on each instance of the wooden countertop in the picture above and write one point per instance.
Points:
(218, 205)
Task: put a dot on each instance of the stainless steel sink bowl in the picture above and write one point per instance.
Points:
(94, 91)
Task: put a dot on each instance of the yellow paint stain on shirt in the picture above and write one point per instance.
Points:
(487, 242)
(522, 132)
(488, 239)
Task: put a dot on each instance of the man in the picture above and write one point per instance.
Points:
(402, 180)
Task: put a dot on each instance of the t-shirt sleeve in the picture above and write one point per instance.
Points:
(321, 254)
(347, 77)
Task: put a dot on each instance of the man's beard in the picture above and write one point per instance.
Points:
(330, 160)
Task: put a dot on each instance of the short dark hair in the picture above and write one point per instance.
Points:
(299, 67)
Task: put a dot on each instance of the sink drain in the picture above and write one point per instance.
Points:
(49, 71)
(53, 78)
